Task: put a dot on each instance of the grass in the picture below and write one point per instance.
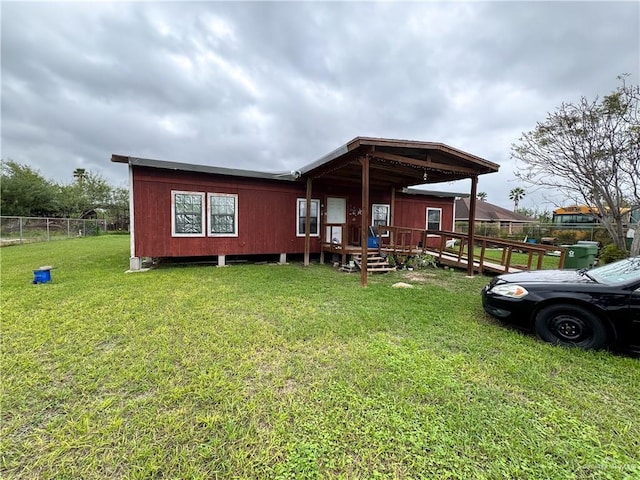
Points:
(268, 371)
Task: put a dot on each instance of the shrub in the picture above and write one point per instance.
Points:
(565, 237)
(425, 261)
(601, 236)
(611, 253)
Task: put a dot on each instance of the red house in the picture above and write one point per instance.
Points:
(183, 210)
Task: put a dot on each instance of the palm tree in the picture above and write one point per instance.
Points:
(516, 195)
(482, 196)
(80, 174)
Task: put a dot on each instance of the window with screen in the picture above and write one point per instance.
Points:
(187, 214)
(302, 217)
(223, 215)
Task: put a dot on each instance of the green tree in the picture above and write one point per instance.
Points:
(590, 152)
(118, 208)
(25, 192)
(516, 194)
(543, 216)
(87, 193)
(482, 196)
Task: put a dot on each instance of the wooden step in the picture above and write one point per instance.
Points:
(375, 263)
(386, 269)
(348, 268)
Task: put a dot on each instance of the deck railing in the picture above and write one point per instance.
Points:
(448, 245)
(337, 237)
(449, 248)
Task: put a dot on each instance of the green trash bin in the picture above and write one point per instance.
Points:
(580, 256)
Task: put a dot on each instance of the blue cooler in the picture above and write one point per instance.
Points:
(42, 275)
(372, 239)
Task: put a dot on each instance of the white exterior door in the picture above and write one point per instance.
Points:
(336, 213)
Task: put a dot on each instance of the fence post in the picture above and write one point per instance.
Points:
(68, 229)
(48, 233)
(20, 223)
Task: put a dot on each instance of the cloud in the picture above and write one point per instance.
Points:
(274, 86)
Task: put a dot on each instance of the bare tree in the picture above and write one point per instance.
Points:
(589, 151)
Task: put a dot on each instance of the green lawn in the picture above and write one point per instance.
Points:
(269, 371)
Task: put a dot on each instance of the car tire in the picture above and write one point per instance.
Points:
(571, 325)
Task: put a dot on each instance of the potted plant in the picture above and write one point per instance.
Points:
(391, 260)
(410, 263)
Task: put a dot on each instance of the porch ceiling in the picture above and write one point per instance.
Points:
(396, 163)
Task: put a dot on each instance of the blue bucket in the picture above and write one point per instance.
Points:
(41, 276)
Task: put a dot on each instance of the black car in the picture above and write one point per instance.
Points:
(592, 309)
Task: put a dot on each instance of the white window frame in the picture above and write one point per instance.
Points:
(235, 215)
(440, 217)
(202, 214)
(299, 202)
(373, 206)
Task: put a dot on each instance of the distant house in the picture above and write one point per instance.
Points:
(188, 210)
(487, 213)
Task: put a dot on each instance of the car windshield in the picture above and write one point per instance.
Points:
(615, 273)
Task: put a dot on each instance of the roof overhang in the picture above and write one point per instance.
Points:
(187, 167)
(396, 163)
(392, 164)
(433, 193)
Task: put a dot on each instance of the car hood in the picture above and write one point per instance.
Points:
(545, 276)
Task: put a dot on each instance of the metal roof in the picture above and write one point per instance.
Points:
(434, 193)
(392, 164)
(188, 167)
(396, 163)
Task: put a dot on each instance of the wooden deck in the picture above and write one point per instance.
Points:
(451, 260)
(449, 248)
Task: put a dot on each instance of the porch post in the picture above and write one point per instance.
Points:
(392, 215)
(472, 223)
(364, 161)
(307, 225)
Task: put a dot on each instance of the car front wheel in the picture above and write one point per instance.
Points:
(570, 325)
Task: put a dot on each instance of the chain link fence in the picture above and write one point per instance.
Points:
(561, 234)
(15, 230)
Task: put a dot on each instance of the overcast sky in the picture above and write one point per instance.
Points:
(274, 86)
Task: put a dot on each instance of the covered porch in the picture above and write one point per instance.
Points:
(385, 165)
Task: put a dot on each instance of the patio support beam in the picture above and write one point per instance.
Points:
(364, 237)
(472, 223)
(307, 225)
(392, 214)
(427, 163)
(400, 159)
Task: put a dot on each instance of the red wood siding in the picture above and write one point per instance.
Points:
(411, 211)
(267, 213)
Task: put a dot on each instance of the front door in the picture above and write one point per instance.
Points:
(336, 213)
